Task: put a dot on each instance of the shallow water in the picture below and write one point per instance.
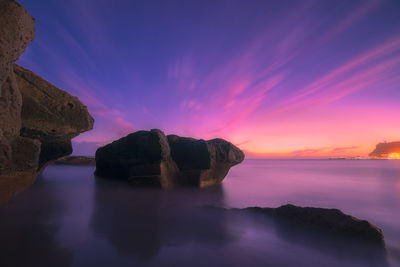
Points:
(69, 218)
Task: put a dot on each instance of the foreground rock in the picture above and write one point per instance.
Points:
(37, 125)
(151, 158)
(330, 220)
(75, 160)
(50, 115)
(18, 155)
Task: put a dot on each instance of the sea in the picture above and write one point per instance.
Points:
(69, 217)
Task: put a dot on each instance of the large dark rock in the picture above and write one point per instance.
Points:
(149, 157)
(142, 157)
(50, 115)
(330, 220)
(203, 163)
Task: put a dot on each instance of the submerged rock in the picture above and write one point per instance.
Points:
(330, 220)
(75, 160)
(149, 157)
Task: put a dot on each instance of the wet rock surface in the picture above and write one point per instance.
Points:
(151, 158)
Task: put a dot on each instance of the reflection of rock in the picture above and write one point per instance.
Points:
(149, 157)
(29, 231)
(144, 222)
(75, 160)
(37, 120)
(383, 150)
(330, 220)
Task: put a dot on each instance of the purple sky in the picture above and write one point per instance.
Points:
(277, 78)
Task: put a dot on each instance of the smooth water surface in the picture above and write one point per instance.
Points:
(70, 218)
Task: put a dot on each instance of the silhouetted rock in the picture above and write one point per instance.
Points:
(38, 124)
(142, 157)
(50, 115)
(149, 157)
(331, 220)
(383, 150)
(75, 160)
(203, 163)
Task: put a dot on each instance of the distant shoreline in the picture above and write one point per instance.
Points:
(322, 159)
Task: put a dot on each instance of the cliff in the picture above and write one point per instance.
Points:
(37, 120)
(383, 150)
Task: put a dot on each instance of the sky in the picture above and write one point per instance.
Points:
(296, 79)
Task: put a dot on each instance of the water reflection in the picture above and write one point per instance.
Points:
(28, 231)
(140, 222)
(71, 218)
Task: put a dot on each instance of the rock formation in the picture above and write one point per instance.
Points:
(76, 161)
(36, 119)
(151, 158)
(330, 220)
(50, 115)
(383, 150)
(16, 32)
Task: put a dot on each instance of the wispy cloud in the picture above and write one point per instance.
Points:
(287, 77)
(372, 68)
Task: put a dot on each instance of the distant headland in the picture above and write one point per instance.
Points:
(386, 150)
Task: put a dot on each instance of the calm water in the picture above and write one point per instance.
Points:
(69, 218)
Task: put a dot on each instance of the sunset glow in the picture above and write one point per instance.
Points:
(301, 79)
(394, 156)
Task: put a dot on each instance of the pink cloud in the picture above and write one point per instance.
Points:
(355, 15)
(369, 69)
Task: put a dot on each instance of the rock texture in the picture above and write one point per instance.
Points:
(16, 32)
(331, 220)
(203, 162)
(149, 157)
(75, 160)
(50, 115)
(37, 120)
(18, 155)
(383, 150)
